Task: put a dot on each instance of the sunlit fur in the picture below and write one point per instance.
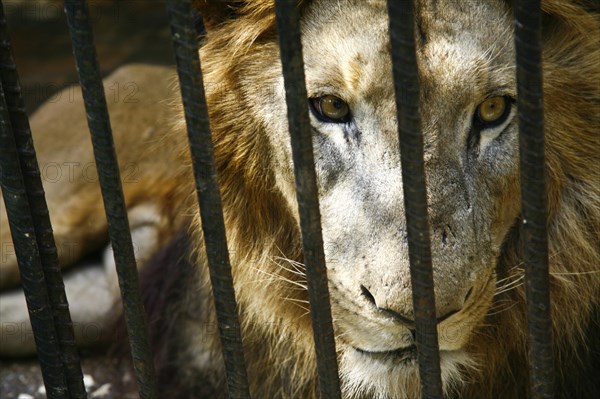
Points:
(238, 55)
(465, 54)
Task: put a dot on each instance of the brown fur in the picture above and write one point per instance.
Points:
(68, 169)
(241, 38)
(572, 104)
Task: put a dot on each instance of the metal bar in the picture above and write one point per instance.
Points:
(28, 256)
(528, 36)
(213, 226)
(112, 193)
(39, 213)
(406, 83)
(288, 24)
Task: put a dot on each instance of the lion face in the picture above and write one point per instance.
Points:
(469, 123)
(467, 73)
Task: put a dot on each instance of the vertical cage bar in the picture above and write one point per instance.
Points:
(528, 35)
(28, 256)
(39, 212)
(406, 84)
(288, 24)
(213, 225)
(112, 193)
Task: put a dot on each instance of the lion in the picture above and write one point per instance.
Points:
(467, 70)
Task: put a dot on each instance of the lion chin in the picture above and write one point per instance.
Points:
(397, 375)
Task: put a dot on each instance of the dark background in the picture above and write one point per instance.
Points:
(125, 31)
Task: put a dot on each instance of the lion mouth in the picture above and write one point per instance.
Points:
(397, 356)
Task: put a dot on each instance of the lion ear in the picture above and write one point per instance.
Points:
(216, 12)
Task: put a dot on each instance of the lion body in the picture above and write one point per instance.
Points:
(473, 193)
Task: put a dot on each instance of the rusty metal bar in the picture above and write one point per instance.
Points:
(528, 39)
(406, 83)
(112, 193)
(213, 226)
(288, 24)
(39, 214)
(28, 256)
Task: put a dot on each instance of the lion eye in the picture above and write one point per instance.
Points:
(493, 111)
(330, 109)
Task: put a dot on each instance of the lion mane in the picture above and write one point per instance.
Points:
(261, 227)
(265, 242)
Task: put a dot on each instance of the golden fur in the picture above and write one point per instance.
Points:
(572, 104)
(239, 56)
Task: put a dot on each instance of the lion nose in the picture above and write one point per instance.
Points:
(404, 318)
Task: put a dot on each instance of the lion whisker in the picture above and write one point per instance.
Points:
(497, 310)
(279, 277)
(293, 270)
(296, 300)
(510, 286)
